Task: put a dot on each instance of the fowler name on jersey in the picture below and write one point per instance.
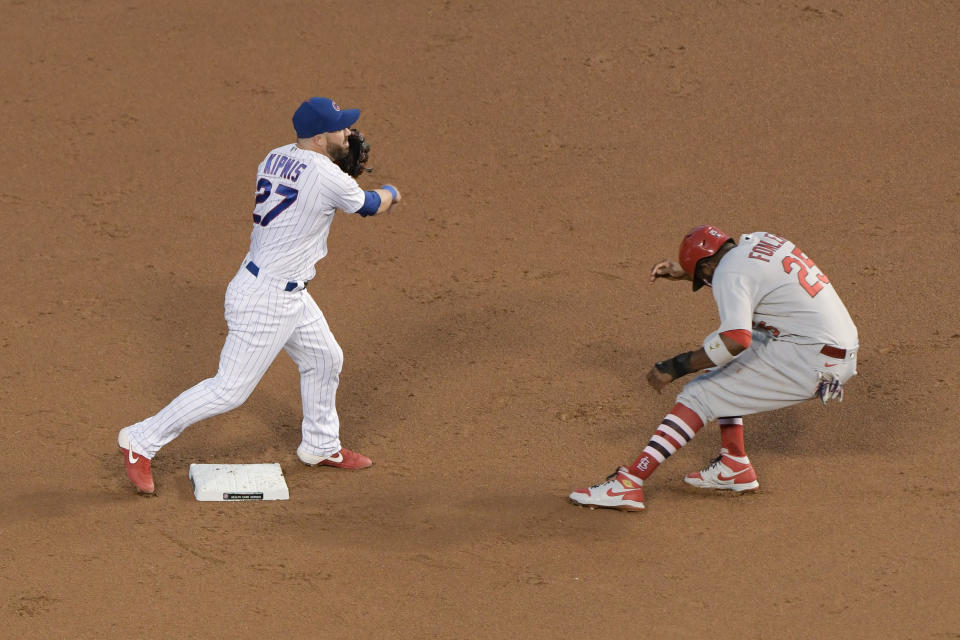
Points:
(767, 246)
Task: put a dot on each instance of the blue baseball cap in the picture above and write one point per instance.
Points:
(322, 115)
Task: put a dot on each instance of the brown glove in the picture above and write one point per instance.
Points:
(355, 160)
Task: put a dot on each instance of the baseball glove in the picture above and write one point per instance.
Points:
(355, 161)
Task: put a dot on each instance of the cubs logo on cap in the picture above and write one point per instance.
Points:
(322, 115)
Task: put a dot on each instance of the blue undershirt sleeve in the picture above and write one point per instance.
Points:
(371, 202)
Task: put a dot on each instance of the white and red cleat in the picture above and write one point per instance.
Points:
(621, 490)
(732, 473)
(343, 459)
(137, 465)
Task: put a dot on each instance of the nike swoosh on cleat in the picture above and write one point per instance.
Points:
(617, 494)
(827, 364)
(732, 477)
(338, 458)
(130, 457)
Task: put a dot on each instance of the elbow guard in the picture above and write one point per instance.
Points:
(715, 349)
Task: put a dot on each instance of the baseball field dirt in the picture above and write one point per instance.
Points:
(497, 325)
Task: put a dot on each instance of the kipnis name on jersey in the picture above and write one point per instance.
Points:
(283, 167)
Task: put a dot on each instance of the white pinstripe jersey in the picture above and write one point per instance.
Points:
(298, 192)
(766, 282)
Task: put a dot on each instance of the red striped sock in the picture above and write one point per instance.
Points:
(676, 430)
(731, 436)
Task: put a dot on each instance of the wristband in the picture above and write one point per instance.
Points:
(391, 189)
(715, 349)
(677, 366)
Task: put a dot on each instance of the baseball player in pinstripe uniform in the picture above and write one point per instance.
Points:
(267, 307)
(784, 337)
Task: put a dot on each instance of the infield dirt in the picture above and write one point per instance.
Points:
(497, 326)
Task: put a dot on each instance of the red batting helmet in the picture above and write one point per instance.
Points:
(699, 243)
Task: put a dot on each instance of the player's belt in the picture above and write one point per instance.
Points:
(834, 352)
(290, 286)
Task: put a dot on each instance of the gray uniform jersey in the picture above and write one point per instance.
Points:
(767, 283)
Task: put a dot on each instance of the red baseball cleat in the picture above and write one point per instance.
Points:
(343, 459)
(137, 465)
(621, 490)
(728, 472)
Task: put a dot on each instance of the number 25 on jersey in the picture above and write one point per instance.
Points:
(799, 259)
(264, 189)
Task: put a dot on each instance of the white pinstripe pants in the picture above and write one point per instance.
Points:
(262, 319)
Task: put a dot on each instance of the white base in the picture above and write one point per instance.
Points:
(230, 482)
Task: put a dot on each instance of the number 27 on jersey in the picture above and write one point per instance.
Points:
(264, 189)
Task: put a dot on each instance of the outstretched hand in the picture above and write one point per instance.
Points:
(668, 269)
(657, 379)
